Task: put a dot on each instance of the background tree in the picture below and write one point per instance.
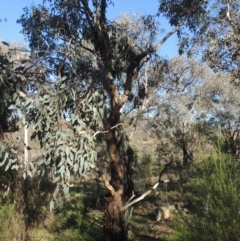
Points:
(177, 114)
(220, 107)
(216, 37)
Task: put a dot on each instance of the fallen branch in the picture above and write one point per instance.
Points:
(140, 198)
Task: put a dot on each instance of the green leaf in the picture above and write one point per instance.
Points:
(6, 156)
(51, 205)
(62, 171)
(64, 78)
(43, 172)
(71, 156)
(100, 103)
(81, 165)
(56, 179)
(59, 142)
(56, 191)
(48, 160)
(14, 160)
(13, 151)
(61, 162)
(68, 173)
(69, 161)
(19, 112)
(8, 165)
(5, 43)
(12, 107)
(65, 189)
(3, 162)
(72, 91)
(20, 68)
(28, 102)
(15, 167)
(1, 151)
(30, 173)
(60, 202)
(67, 150)
(31, 165)
(22, 94)
(75, 167)
(39, 163)
(6, 95)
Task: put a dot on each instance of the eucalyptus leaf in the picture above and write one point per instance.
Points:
(12, 107)
(51, 205)
(5, 43)
(16, 167)
(22, 94)
(56, 191)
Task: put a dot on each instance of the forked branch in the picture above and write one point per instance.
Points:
(104, 178)
(102, 132)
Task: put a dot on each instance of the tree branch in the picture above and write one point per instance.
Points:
(230, 19)
(161, 42)
(140, 198)
(89, 14)
(137, 59)
(98, 132)
(104, 178)
(103, 11)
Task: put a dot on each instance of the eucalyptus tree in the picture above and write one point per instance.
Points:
(220, 106)
(216, 37)
(83, 70)
(176, 116)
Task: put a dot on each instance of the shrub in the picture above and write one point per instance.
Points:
(11, 223)
(144, 169)
(214, 201)
(72, 222)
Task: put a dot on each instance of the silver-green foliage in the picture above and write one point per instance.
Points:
(64, 117)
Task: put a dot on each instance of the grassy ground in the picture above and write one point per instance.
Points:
(88, 199)
(81, 216)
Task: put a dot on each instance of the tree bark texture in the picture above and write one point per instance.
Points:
(114, 222)
(121, 156)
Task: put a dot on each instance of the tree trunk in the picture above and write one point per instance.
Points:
(121, 157)
(185, 157)
(114, 227)
(114, 222)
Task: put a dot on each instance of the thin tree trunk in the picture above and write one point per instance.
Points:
(185, 157)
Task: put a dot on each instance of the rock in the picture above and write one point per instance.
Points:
(162, 213)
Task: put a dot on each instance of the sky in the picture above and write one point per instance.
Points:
(13, 9)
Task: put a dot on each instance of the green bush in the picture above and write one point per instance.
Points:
(214, 200)
(11, 223)
(144, 169)
(71, 222)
